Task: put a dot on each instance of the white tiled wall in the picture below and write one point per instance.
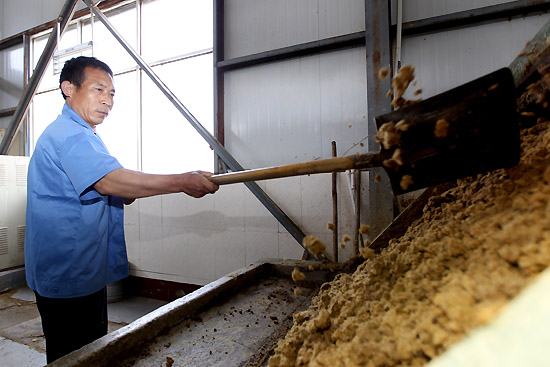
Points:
(179, 238)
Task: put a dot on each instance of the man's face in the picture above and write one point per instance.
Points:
(94, 99)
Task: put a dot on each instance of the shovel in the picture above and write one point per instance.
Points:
(467, 130)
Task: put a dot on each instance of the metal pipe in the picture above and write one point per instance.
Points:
(231, 162)
(26, 76)
(219, 101)
(357, 200)
(334, 207)
(399, 34)
(139, 81)
(62, 21)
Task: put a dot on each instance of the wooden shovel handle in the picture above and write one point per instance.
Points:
(357, 161)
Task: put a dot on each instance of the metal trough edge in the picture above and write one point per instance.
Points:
(156, 322)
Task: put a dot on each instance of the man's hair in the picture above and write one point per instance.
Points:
(73, 70)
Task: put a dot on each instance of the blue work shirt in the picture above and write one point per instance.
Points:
(74, 239)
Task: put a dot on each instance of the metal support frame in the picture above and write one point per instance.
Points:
(473, 17)
(378, 54)
(304, 49)
(218, 54)
(62, 21)
(228, 159)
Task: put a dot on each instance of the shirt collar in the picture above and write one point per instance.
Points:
(67, 110)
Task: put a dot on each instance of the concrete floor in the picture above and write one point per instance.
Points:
(21, 338)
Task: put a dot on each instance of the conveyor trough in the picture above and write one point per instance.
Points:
(233, 321)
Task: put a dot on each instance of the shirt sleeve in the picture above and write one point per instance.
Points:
(86, 160)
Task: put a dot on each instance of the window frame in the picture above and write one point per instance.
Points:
(82, 18)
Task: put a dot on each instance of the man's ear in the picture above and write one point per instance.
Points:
(68, 88)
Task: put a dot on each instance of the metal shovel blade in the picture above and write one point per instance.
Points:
(467, 130)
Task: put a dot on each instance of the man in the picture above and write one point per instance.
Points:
(74, 243)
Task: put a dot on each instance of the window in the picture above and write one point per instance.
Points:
(144, 130)
(190, 80)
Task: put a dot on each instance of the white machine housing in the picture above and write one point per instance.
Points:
(13, 201)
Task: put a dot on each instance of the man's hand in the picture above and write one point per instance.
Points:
(196, 184)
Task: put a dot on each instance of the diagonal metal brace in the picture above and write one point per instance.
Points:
(229, 160)
(63, 19)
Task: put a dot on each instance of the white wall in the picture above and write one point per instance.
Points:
(289, 112)
(447, 59)
(178, 238)
(254, 26)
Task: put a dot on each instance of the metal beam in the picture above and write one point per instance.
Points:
(304, 49)
(493, 13)
(28, 93)
(378, 55)
(273, 208)
(473, 17)
(7, 112)
(11, 41)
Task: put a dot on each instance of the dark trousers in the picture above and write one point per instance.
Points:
(71, 323)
